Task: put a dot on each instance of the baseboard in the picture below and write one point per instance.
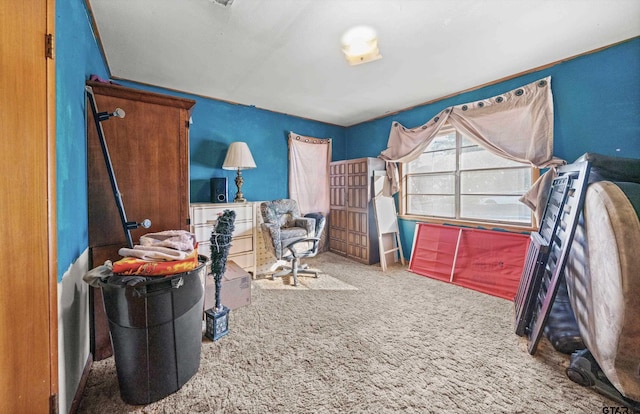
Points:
(83, 382)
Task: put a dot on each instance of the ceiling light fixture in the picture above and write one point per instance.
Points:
(360, 45)
(224, 3)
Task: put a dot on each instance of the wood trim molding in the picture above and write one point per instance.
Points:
(109, 89)
(495, 82)
(516, 75)
(52, 224)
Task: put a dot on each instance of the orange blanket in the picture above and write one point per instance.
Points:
(135, 266)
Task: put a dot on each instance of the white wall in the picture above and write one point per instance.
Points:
(73, 330)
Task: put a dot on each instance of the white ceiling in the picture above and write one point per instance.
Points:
(285, 55)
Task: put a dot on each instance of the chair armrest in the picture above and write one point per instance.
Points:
(306, 223)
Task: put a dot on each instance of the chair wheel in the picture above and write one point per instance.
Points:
(579, 371)
(580, 377)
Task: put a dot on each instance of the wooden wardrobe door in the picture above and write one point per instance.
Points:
(352, 230)
(149, 152)
(338, 208)
(358, 210)
(28, 303)
(149, 155)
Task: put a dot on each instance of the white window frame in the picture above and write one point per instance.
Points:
(447, 129)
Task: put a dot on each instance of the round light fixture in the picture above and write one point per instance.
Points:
(360, 45)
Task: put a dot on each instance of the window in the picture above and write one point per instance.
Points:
(457, 179)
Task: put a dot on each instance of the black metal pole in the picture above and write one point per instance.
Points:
(107, 159)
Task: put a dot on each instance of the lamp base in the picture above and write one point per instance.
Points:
(239, 196)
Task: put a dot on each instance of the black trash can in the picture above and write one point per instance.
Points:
(156, 333)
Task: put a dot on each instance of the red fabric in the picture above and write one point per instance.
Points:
(135, 266)
(488, 261)
(491, 261)
(433, 251)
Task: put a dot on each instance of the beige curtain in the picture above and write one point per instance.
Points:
(309, 160)
(517, 125)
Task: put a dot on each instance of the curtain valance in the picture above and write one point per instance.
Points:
(517, 125)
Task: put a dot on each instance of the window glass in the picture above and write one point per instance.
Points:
(475, 157)
(496, 182)
(497, 208)
(432, 184)
(456, 178)
(433, 205)
(434, 161)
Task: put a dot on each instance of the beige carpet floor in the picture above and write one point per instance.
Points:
(398, 343)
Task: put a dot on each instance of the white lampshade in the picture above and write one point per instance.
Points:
(238, 157)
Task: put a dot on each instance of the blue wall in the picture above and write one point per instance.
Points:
(77, 56)
(596, 107)
(216, 124)
(596, 103)
(595, 97)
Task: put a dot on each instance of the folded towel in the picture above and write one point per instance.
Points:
(175, 239)
(134, 266)
(153, 253)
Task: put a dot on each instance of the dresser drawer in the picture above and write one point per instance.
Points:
(242, 251)
(240, 229)
(241, 245)
(209, 214)
(245, 261)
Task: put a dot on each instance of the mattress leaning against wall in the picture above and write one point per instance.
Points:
(602, 271)
(604, 282)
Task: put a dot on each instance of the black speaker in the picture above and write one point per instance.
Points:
(219, 190)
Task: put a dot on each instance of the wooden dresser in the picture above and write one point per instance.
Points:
(149, 151)
(243, 245)
(352, 227)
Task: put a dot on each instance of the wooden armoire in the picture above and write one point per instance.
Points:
(352, 227)
(149, 151)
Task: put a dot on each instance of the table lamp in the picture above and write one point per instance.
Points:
(239, 158)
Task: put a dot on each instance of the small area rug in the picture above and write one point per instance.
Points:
(310, 282)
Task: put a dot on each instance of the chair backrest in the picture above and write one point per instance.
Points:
(282, 224)
(282, 211)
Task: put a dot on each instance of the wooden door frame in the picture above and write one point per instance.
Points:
(29, 308)
(52, 225)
